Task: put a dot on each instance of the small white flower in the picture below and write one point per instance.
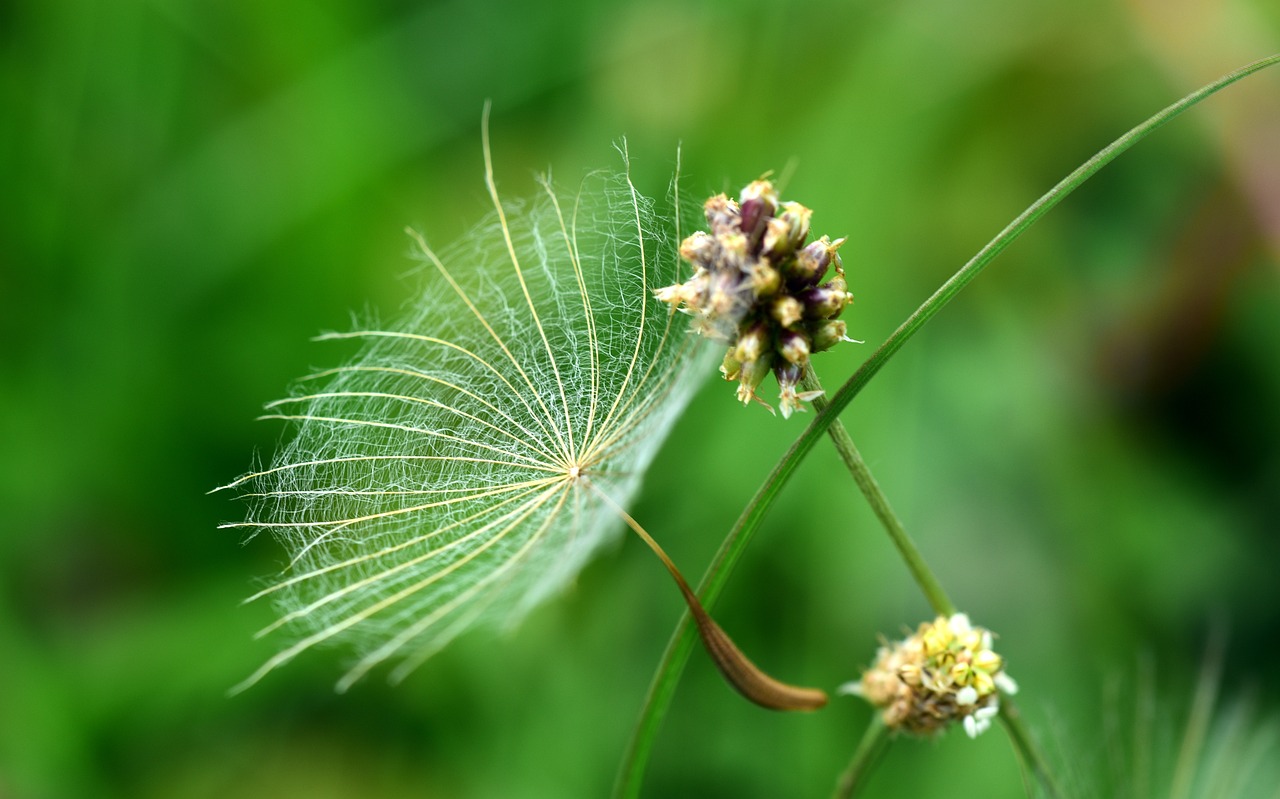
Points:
(979, 720)
(966, 696)
(960, 624)
(1006, 684)
(852, 688)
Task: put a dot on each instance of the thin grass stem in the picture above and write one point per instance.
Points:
(858, 469)
(1034, 765)
(875, 741)
(662, 688)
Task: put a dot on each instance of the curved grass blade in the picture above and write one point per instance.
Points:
(662, 687)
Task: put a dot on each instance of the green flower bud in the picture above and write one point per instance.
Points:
(753, 344)
(827, 334)
(787, 310)
(764, 279)
(796, 217)
(735, 245)
(730, 367)
(776, 236)
(810, 264)
(752, 375)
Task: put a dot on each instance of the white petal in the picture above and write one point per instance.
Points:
(967, 695)
(1006, 683)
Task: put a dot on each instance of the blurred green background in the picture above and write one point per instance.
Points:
(1086, 444)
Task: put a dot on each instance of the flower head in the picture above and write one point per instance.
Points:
(758, 288)
(945, 672)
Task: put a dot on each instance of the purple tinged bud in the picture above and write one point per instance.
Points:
(811, 263)
(794, 346)
(753, 219)
(788, 375)
(819, 303)
(824, 302)
(759, 202)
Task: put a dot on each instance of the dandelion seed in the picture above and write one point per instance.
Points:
(467, 463)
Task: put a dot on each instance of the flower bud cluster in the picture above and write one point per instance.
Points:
(945, 672)
(758, 287)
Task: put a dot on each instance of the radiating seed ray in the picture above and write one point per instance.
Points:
(524, 287)
(640, 390)
(530, 463)
(593, 337)
(530, 437)
(285, 655)
(373, 579)
(394, 548)
(401, 398)
(239, 481)
(593, 345)
(675, 191)
(441, 638)
(395, 644)
(553, 430)
(328, 535)
(438, 641)
(644, 283)
(348, 492)
(422, 243)
(386, 514)
(605, 447)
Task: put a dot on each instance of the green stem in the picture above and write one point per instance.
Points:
(1033, 761)
(924, 577)
(662, 688)
(874, 743)
(1028, 751)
